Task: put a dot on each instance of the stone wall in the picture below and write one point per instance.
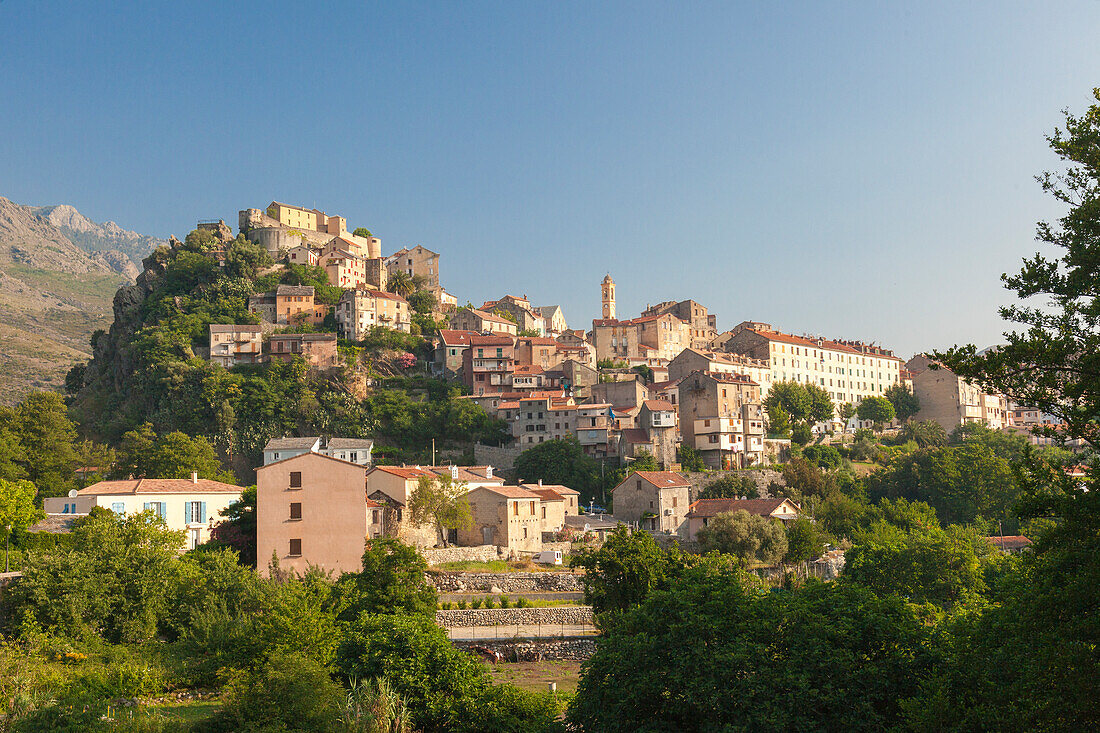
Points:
(501, 458)
(478, 553)
(549, 616)
(576, 650)
(762, 476)
(445, 582)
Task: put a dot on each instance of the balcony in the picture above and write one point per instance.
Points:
(718, 425)
(720, 441)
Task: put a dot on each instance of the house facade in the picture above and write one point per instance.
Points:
(488, 364)
(722, 417)
(704, 510)
(231, 345)
(360, 309)
(318, 349)
(473, 319)
(193, 505)
(505, 516)
(654, 500)
(352, 450)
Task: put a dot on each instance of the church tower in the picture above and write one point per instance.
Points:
(607, 291)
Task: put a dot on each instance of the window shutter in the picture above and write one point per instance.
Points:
(202, 512)
(148, 505)
(186, 512)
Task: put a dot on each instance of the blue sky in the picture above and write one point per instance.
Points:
(858, 170)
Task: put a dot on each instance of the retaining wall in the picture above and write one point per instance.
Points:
(479, 553)
(576, 650)
(550, 616)
(549, 582)
(501, 458)
(762, 476)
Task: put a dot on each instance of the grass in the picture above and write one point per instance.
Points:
(535, 676)
(191, 711)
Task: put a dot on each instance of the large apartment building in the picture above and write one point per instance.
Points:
(360, 309)
(721, 417)
(952, 401)
(848, 370)
(703, 360)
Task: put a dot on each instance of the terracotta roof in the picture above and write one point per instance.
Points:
(294, 290)
(606, 322)
(528, 369)
(635, 436)
(558, 489)
(547, 494)
(659, 406)
(371, 504)
(539, 340)
(455, 337)
(56, 523)
(660, 479)
(501, 340)
(159, 486)
(662, 386)
(404, 472)
(1010, 542)
(221, 328)
(491, 317)
(387, 296)
(511, 492)
(714, 507)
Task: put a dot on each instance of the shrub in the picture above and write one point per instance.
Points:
(505, 602)
(477, 603)
(289, 692)
(523, 603)
(462, 605)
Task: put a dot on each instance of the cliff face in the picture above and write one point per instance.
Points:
(58, 274)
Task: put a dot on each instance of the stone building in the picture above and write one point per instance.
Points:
(704, 326)
(473, 319)
(318, 349)
(553, 320)
(505, 516)
(360, 309)
(288, 305)
(537, 351)
(721, 417)
(450, 349)
(704, 360)
(952, 401)
(231, 345)
(848, 370)
(352, 450)
(488, 364)
(417, 261)
(518, 308)
(648, 337)
(704, 510)
(654, 500)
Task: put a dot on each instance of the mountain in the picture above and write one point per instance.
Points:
(58, 274)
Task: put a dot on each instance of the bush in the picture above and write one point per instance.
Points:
(477, 603)
(462, 605)
(289, 692)
(523, 603)
(505, 602)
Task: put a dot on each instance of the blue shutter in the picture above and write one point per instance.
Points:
(186, 512)
(162, 510)
(118, 507)
(202, 512)
(148, 505)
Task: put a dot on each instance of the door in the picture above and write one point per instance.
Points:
(486, 535)
(194, 538)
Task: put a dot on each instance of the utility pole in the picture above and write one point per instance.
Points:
(433, 451)
(7, 547)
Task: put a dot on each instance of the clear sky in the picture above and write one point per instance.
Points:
(857, 170)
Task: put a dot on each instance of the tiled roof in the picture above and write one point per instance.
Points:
(539, 340)
(222, 328)
(294, 290)
(387, 296)
(349, 443)
(1010, 542)
(546, 494)
(511, 492)
(491, 317)
(635, 436)
(558, 489)
(662, 386)
(660, 479)
(405, 472)
(159, 486)
(290, 443)
(659, 406)
(714, 507)
(528, 369)
(455, 337)
(501, 340)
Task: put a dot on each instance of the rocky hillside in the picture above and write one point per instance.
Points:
(58, 274)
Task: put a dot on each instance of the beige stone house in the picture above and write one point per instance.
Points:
(647, 337)
(473, 319)
(520, 309)
(952, 401)
(654, 500)
(417, 261)
(360, 309)
(704, 360)
(558, 502)
(318, 349)
(553, 320)
(704, 326)
(193, 505)
(288, 305)
(704, 510)
(505, 516)
(297, 217)
(722, 417)
(450, 349)
(231, 345)
(312, 510)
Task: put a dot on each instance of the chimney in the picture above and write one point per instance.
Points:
(540, 482)
(194, 477)
(454, 472)
(488, 472)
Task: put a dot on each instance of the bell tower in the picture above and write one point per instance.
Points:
(607, 293)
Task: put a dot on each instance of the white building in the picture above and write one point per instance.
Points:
(352, 450)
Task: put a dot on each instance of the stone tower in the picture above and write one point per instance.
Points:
(607, 291)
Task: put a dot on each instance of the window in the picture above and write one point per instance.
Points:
(296, 548)
(157, 507)
(674, 502)
(194, 512)
(296, 510)
(544, 512)
(515, 509)
(354, 457)
(118, 507)
(532, 509)
(295, 479)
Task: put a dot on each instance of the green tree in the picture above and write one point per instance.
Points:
(625, 569)
(238, 528)
(925, 433)
(644, 461)
(111, 583)
(400, 282)
(846, 411)
(46, 437)
(792, 397)
(779, 421)
(731, 487)
(17, 509)
(391, 582)
(710, 653)
(559, 461)
(422, 301)
(142, 453)
(442, 502)
(905, 403)
(878, 410)
(801, 434)
(749, 537)
(362, 232)
(802, 478)
(287, 692)
(245, 259)
(821, 408)
(804, 541)
(823, 456)
(689, 459)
